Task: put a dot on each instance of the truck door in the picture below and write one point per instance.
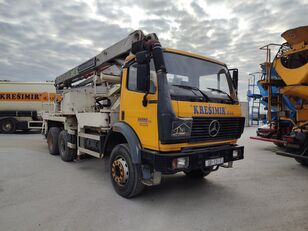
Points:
(142, 119)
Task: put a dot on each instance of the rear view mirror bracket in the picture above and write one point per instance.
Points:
(143, 74)
(234, 77)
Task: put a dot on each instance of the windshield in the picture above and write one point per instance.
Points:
(195, 79)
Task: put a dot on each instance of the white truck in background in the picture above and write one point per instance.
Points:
(22, 104)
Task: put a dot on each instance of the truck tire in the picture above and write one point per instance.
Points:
(303, 151)
(279, 145)
(125, 175)
(198, 173)
(8, 126)
(302, 162)
(52, 140)
(67, 154)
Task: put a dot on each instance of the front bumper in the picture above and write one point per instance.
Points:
(162, 162)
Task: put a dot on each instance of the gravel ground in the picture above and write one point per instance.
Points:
(40, 192)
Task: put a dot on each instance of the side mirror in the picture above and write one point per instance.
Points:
(143, 71)
(234, 77)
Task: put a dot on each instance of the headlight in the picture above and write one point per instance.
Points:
(181, 127)
(235, 153)
(180, 163)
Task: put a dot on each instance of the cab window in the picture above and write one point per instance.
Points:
(132, 78)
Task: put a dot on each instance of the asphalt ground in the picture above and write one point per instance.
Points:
(38, 191)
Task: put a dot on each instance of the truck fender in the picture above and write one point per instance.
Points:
(131, 138)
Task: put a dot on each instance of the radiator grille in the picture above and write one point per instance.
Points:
(229, 128)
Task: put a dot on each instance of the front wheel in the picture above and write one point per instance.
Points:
(125, 175)
(198, 173)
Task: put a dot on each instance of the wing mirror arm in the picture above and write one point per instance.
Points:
(145, 99)
(234, 77)
(143, 74)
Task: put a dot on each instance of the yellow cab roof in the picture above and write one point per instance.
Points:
(193, 55)
(130, 57)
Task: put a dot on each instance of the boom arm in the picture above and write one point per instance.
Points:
(111, 55)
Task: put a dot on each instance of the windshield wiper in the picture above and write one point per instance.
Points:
(206, 98)
(223, 92)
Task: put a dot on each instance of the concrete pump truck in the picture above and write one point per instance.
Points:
(288, 74)
(153, 110)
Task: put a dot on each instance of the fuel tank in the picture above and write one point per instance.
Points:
(26, 96)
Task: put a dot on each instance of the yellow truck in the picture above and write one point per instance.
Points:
(153, 110)
(288, 130)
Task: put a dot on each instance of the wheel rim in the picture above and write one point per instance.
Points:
(7, 127)
(119, 171)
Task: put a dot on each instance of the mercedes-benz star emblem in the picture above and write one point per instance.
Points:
(214, 128)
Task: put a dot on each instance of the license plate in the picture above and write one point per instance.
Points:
(213, 162)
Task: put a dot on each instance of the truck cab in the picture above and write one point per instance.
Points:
(204, 101)
(201, 90)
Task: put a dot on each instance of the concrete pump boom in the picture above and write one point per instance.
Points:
(114, 54)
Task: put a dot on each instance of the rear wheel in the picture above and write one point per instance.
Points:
(279, 145)
(7, 126)
(198, 173)
(302, 140)
(52, 140)
(125, 175)
(301, 161)
(67, 154)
